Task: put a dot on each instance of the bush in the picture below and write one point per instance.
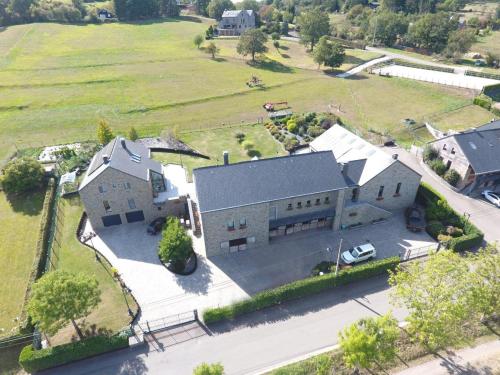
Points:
(434, 228)
(36, 360)
(483, 101)
(441, 211)
(292, 126)
(315, 131)
(426, 194)
(299, 289)
(21, 175)
(467, 242)
(438, 166)
(290, 144)
(452, 177)
(241, 136)
(175, 245)
(454, 231)
(430, 153)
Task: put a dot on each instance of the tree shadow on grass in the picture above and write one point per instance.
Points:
(29, 203)
(91, 330)
(284, 48)
(271, 65)
(254, 153)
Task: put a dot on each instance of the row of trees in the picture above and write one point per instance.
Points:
(145, 9)
(445, 297)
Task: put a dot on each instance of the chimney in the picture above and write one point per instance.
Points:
(225, 155)
(395, 156)
(105, 158)
(345, 168)
(122, 141)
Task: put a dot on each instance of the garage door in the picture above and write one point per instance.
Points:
(134, 216)
(111, 220)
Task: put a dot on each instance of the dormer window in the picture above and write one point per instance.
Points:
(158, 182)
(453, 150)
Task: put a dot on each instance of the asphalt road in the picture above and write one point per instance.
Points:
(254, 343)
(483, 214)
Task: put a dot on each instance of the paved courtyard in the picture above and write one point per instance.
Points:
(223, 279)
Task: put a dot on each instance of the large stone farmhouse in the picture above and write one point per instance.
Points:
(474, 154)
(124, 185)
(378, 183)
(244, 204)
(236, 22)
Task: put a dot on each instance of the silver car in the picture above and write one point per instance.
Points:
(359, 253)
(492, 197)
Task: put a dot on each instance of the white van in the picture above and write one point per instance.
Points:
(359, 253)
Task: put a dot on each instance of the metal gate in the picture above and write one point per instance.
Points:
(150, 326)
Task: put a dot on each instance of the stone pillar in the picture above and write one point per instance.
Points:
(339, 207)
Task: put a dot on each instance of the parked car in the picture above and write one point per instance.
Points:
(156, 225)
(359, 253)
(492, 197)
(414, 219)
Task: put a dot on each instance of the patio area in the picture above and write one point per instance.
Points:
(224, 279)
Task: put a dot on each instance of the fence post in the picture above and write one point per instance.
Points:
(147, 323)
(195, 314)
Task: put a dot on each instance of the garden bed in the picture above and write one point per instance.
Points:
(189, 267)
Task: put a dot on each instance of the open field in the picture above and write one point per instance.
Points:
(476, 116)
(488, 43)
(57, 81)
(479, 9)
(111, 314)
(19, 223)
(213, 143)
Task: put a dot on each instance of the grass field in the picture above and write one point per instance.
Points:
(213, 143)
(19, 223)
(455, 119)
(111, 314)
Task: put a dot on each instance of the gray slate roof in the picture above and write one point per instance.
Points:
(481, 148)
(123, 155)
(235, 13)
(265, 180)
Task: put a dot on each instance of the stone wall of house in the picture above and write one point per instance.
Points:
(216, 233)
(452, 154)
(114, 183)
(389, 178)
(327, 201)
(362, 213)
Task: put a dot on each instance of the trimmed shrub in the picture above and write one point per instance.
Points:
(175, 245)
(426, 194)
(292, 126)
(36, 360)
(438, 166)
(430, 153)
(466, 242)
(299, 289)
(483, 101)
(290, 143)
(434, 229)
(21, 175)
(452, 177)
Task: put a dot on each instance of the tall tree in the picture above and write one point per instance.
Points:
(137, 9)
(212, 49)
(436, 294)
(386, 26)
(201, 7)
(104, 132)
(120, 8)
(252, 42)
(313, 25)
(459, 42)
(60, 297)
(169, 8)
(329, 53)
(370, 341)
(431, 31)
(21, 175)
(20, 9)
(249, 5)
(132, 134)
(217, 7)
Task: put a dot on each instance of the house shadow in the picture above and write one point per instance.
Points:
(270, 65)
(29, 203)
(303, 306)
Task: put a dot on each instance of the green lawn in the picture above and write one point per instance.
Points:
(213, 143)
(111, 314)
(19, 223)
(475, 115)
(489, 43)
(57, 81)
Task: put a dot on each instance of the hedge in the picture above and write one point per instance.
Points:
(482, 74)
(423, 66)
(299, 289)
(41, 250)
(36, 360)
(472, 237)
(483, 101)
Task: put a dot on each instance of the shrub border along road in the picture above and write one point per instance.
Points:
(472, 237)
(37, 360)
(299, 289)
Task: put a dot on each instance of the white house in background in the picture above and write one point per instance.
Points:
(379, 183)
(236, 22)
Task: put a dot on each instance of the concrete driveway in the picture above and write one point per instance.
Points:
(224, 279)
